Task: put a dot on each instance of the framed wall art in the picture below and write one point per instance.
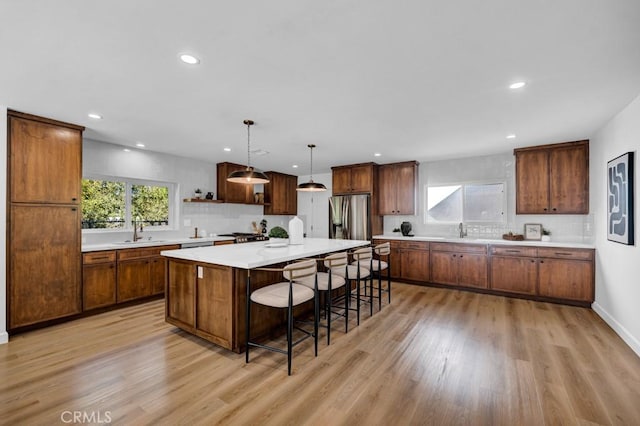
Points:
(620, 199)
(532, 231)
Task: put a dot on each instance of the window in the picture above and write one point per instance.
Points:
(474, 202)
(113, 203)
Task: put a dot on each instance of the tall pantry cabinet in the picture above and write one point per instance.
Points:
(44, 241)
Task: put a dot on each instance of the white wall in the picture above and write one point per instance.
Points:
(617, 265)
(496, 168)
(106, 159)
(4, 337)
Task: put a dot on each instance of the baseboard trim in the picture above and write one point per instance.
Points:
(633, 343)
(4, 337)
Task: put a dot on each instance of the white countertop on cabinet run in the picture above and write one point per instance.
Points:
(150, 243)
(471, 240)
(255, 255)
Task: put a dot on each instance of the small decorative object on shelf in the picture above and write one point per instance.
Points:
(263, 224)
(546, 235)
(198, 193)
(512, 237)
(209, 196)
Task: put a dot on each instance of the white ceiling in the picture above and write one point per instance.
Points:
(412, 79)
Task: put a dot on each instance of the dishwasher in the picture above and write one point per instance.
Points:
(193, 244)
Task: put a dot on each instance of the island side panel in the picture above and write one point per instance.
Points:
(180, 295)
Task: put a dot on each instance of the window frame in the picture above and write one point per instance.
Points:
(504, 184)
(173, 200)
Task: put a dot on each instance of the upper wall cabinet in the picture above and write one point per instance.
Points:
(230, 192)
(398, 183)
(45, 160)
(553, 179)
(280, 194)
(354, 179)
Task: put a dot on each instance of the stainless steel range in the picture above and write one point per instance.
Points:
(245, 237)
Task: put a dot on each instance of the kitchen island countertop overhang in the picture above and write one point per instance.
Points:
(258, 254)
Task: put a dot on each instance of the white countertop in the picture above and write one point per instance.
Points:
(150, 243)
(471, 240)
(255, 255)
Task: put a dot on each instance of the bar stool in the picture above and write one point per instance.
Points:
(287, 295)
(356, 272)
(328, 282)
(382, 251)
(363, 258)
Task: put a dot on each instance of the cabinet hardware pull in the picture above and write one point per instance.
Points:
(73, 209)
(560, 253)
(461, 256)
(101, 257)
(74, 199)
(554, 209)
(545, 209)
(533, 261)
(513, 251)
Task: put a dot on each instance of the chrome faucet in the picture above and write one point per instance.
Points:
(136, 237)
(463, 232)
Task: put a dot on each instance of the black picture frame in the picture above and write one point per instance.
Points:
(620, 226)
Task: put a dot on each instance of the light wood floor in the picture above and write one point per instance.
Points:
(432, 357)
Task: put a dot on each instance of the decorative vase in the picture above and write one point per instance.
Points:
(209, 196)
(405, 227)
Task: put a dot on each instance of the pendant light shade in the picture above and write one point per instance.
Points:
(248, 176)
(311, 186)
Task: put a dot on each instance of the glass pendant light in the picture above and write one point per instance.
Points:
(311, 186)
(248, 176)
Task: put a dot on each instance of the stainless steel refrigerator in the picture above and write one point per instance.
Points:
(350, 217)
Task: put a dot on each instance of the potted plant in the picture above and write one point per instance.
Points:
(546, 235)
(278, 234)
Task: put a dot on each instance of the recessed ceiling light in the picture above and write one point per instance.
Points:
(295, 166)
(140, 145)
(95, 116)
(517, 85)
(227, 149)
(511, 136)
(189, 59)
(126, 150)
(377, 154)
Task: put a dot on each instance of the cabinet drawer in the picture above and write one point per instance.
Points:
(460, 247)
(138, 253)
(563, 253)
(98, 257)
(514, 251)
(416, 245)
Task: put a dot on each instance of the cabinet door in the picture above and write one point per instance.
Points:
(232, 192)
(514, 274)
(414, 264)
(569, 179)
(44, 264)
(532, 182)
(387, 195)
(281, 194)
(444, 267)
(566, 279)
(215, 304)
(98, 285)
(158, 274)
(134, 280)
(341, 180)
(472, 270)
(42, 154)
(181, 293)
(406, 176)
(362, 178)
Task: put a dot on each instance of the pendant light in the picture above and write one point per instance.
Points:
(311, 186)
(248, 176)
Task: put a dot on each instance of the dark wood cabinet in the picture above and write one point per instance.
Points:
(354, 179)
(43, 220)
(141, 272)
(98, 279)
(550, 272)
(566, 274)
(398, 183)
(44, 263)
(459, 264)
(280, 194)
(553, 179)
(231, 192)
(214, 304)
(180, 300)
(409, 260)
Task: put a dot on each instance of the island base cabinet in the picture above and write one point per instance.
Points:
(180, 297)
(566, 279)
(214, 304)
(514, 274)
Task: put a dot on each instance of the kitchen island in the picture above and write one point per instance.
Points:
(205, 293)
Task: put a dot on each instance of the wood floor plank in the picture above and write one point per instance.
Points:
(434, 356)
